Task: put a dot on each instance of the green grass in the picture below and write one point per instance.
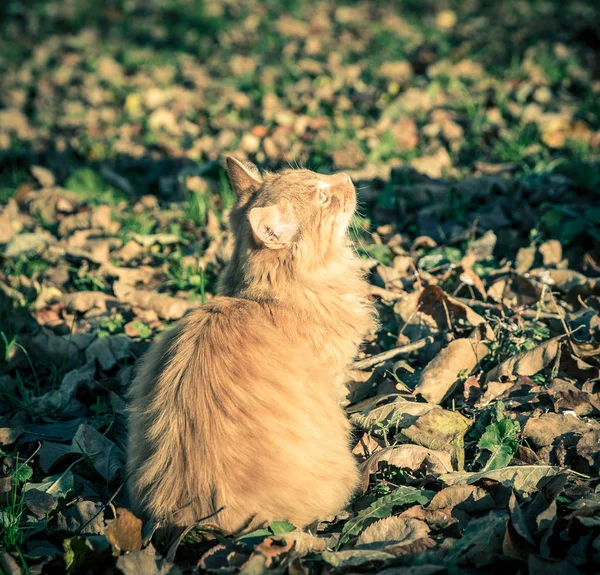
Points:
(10, 180)
(136, 224)
(92, 187)
(187, 278)
(28, 266)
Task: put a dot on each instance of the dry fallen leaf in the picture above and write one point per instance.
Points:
(413, 457)
(392, 531)
(441, 430)
(526, 363)
(125, 532)
(443, 374)
(165, 306)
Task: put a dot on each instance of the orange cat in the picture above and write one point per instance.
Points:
(237, 408)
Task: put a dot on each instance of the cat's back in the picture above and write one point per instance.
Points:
(224, 334)
(222, 398)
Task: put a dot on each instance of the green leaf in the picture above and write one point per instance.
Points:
(501, 440)
(383, 507)
(255, 537)
(22, 474)
(77, 550)
(56, 485)
(143, 330)
(279, 527)
(520, 477)
(481, 542)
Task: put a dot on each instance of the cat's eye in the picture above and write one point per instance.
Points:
(323, 197)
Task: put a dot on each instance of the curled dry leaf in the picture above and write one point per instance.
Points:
(395, 415)
(526, 363)
(444, 309)
(84, 301)
(412, 322)
(39, 502)
(392, 531)
(551, 252)
(442, 375)
(525, 260)
(304, 543)
(413, 457)
(468, 498)
(483, 247)
(129, 276)
(355, 557)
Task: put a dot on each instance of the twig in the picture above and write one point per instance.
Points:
(102, 508)
(392, 353)
(179, 538)
(527, 313)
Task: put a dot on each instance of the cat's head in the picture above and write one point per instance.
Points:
(297, 211)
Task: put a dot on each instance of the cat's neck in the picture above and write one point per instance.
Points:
(326, 306)
(277, 280)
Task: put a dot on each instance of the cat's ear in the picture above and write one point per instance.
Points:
(273, 227)
(244, 178)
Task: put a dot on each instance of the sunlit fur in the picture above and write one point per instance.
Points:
(238, 406)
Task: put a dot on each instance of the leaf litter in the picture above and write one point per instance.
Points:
(473, 137)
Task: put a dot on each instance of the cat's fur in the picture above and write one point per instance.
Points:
(238, 406)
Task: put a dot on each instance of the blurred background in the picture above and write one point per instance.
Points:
(147, 87)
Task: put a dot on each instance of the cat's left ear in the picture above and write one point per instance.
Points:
(273, 227)
(244, 178)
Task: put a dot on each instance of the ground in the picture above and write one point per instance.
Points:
(472, 132)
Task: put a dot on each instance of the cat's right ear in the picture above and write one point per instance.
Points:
(245, 179)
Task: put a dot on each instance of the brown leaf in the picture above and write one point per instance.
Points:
(274, 549)
(441, 307)
(85, 517)
(413, 457)
(442, 374)
(468, 498)
(39, 502)
(588, 448)
(437, 519)
(441, 430)
(367, 445)
(84, 301)
(551, 252)
(526, 363)
(550, 427)
(433, 165)
(165, 306)
(525, 260)
(124, 532)
(397, 414)
(147, 563)
(483, 247)
(8, 435)
(392, 531)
